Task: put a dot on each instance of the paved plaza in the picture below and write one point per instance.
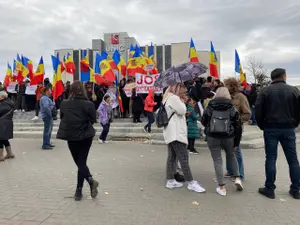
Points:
(37, 188)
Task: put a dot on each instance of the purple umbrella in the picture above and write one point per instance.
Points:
(180, 74)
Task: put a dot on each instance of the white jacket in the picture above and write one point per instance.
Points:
(177, 128)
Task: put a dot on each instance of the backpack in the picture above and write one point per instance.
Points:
(162, 119)
(220, 122)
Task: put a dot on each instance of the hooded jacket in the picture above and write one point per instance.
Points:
(6, 119)
(149, 102)
(105, 113)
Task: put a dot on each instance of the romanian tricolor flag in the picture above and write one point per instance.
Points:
(238, 69)
(58, 86)
(112, 63)
(69, 64)
(21, 71)
(131, 51)
(86, 70)
(119, 96)
(102, 67)
(213, 62)
(38, 76)
(27, 63)
(141, 60)
(151, 60)
(193, 53)
(120, 62)
(8, 77)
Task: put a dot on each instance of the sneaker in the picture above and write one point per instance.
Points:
(194, 152)
(295, 194)
(221, 192)
(16, 110)
(35, 118)
(267, 193)
(23, 110)
(179, 178)
(100, 141)
(173, 184)
(196, 187)
(239, 185)
(144, 129)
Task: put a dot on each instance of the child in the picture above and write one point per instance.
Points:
(193, 132)
(105, 118)
(149, 106)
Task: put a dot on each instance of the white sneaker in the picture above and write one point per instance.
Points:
(35, 118)
(16, 110)
(196, 187)
(105, 142)
(100, 141)
(23, 110)
(239, 185)
(221, 192)
(173, 184)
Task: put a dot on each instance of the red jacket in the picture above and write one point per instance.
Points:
(149, 102)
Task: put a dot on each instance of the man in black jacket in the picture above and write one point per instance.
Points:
(277, 112)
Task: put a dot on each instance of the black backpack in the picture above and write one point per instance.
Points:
(162, 119)
(220, 122)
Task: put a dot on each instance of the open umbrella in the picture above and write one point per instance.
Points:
(180, 74)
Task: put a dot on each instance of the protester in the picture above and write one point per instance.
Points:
(105, 117)
(67, 90)
(137, 106)
(240, 102)
(175, 135)
(46, 106)
(149, 108)
(193, 131)
(277, 114)
(125, 99)
(223, 129)
(38, 93)
(252, 96)
(6, 125)
(76, 127)
(21, 97)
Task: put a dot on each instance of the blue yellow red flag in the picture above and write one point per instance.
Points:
(239, 69)
(192, 52)
(213, 62)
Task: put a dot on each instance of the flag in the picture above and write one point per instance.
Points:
(58, 86)
(15, 72)
(118, 95)
(8, 77)
(69, 64)
(131, 51)
(85, 68)
(38, 76)
(103, 67)
(151, 60)
(120, 62)
(213, 62)
(239, 69)
(193, 53)
(19, 70)
(112, 63)
(27, 63)
(141, 60)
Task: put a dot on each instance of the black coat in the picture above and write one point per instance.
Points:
(222, 104)
(278, 106)
(137, 103)
(77, 118)
(6, 119)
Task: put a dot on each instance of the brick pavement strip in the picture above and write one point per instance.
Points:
(36, 188)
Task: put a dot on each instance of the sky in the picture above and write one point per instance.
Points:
(268, 30)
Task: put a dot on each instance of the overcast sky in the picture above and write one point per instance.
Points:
(266, 29)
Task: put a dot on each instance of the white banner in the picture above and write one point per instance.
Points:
(30, 89)
(113, 99)
(128, 89)
(145, 82)
(11, 88)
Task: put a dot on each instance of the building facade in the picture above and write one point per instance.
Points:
(165, 55)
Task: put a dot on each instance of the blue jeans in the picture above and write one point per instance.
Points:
(239, 158)
(48, 125)
(287, 139)
(253, 116)
(104, 132)
(151, 120)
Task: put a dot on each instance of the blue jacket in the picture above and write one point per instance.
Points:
(46, 106)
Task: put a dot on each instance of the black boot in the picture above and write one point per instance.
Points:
(78, 194)
(93, 186)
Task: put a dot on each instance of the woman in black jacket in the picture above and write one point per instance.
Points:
(137, 106)
(6, 125)
(223, 128)
(78, 115)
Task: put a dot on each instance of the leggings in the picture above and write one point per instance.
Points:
(4, 143)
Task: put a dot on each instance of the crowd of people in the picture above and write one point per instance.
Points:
(222, 108)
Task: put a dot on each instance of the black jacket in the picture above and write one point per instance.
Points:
(222, 104)
(252, 96)
(21, 89)
(77, 118)
(278, 106)
(137, 103)
(6, 119)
